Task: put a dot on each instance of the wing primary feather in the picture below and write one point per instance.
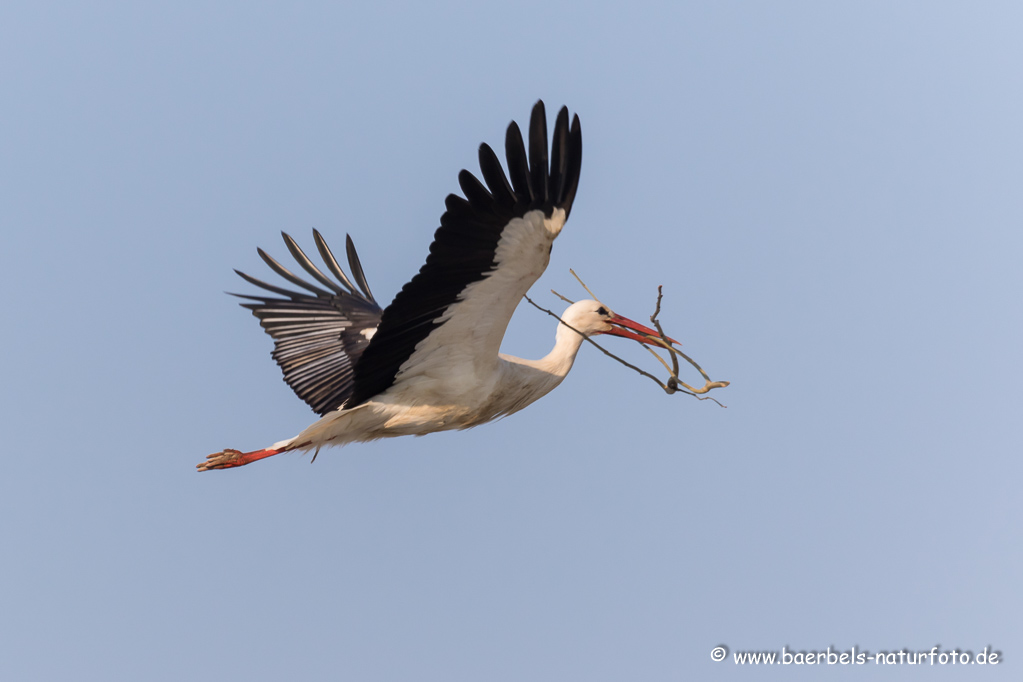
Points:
(308, 265)
(559, 157)
(495, 178)
(263, 285)
(518, 164)
(283, 272)
(332, 265)
(475, 192)
(538, 152)
(575, 158)
(356, 266)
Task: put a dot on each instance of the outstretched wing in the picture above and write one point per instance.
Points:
(318, 337)
(490, 248)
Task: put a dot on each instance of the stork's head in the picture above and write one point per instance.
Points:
(592, 318)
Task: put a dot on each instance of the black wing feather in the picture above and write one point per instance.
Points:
(538, 153)
(332, 265)
(299, 255)
(356, 266)
(495, 178)
(286, 274)
(573, 164)
(518, 163)
(559, 156)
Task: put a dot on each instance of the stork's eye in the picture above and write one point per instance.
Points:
(602, 310)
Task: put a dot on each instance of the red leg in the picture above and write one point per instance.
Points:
(227, 459)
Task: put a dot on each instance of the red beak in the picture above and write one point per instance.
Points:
(639, 332)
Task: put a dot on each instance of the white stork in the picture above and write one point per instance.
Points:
(430, 361)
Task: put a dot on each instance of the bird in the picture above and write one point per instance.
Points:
(431, 361)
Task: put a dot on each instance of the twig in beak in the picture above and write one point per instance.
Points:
(673, 384)
(607, 352)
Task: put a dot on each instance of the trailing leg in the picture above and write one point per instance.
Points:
(226, 459)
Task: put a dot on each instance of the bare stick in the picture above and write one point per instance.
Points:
(593, 295)
(664, 339)
(671, 370)
(566, 300)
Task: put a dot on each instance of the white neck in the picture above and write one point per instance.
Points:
(561, 358)
(536, 378)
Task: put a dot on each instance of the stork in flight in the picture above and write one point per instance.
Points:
(430, 361)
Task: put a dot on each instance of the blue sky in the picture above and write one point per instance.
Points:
(829, 193)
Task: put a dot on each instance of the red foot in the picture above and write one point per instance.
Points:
(227, 459)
